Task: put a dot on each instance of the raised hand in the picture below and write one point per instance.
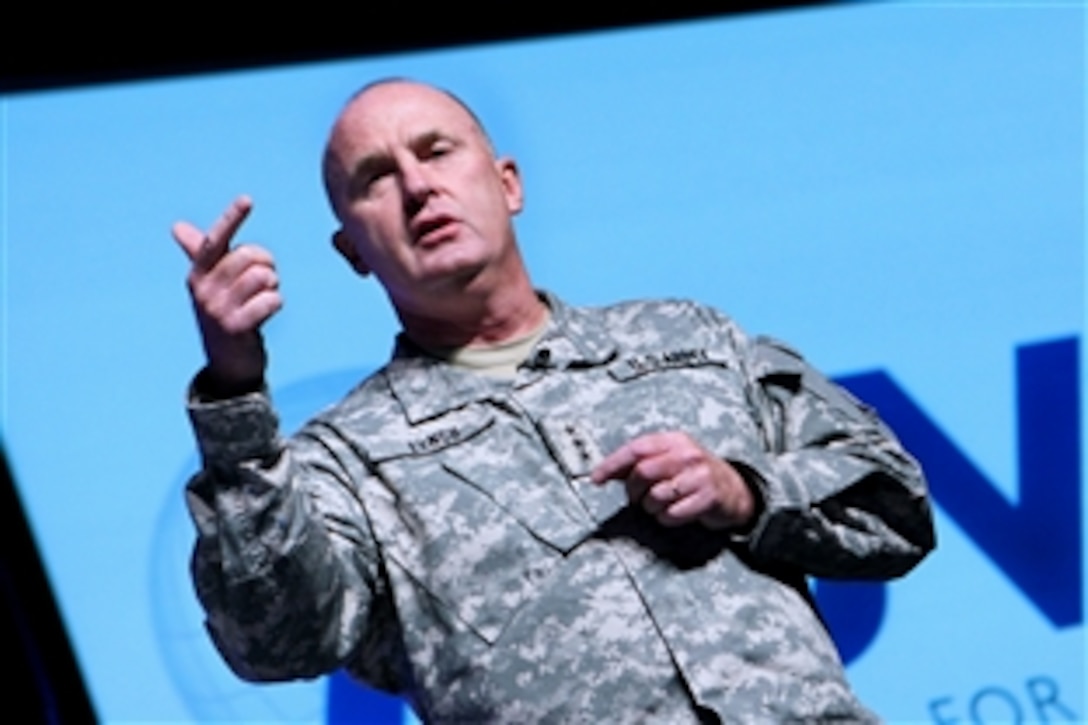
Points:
(678, 481)
(234, 292)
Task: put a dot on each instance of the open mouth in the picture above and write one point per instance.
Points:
(435, 230)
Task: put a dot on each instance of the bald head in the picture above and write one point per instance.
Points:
(409, 82)
(367, 106)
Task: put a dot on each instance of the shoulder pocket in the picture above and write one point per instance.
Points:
(777, 365)
(775, 362)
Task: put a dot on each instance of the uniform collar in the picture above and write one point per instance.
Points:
(427, 387)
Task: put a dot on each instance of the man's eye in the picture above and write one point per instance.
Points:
(364, 184)
(440, 148)
(377, 176)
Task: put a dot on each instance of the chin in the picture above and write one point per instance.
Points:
(452, 262)
(450, 277)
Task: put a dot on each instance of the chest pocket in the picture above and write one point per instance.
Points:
(475, 512)
(699, 391)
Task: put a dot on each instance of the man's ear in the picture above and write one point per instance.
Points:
(511, 183)
(347, 251)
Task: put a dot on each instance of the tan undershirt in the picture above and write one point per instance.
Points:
(498, 361)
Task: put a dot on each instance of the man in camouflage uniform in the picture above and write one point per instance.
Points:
(534, 512)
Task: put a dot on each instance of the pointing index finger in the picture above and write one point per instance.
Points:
(618, 460)
(217, 241)
(618, 463)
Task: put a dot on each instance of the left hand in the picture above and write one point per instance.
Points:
(678, 481)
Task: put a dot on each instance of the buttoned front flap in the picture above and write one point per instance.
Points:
(472, 508)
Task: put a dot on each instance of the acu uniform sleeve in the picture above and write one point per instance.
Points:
(841, 497)
(285, 564)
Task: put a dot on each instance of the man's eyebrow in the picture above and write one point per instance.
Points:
(368, 164)
(428, 137)
(377, 160)
(364, 169)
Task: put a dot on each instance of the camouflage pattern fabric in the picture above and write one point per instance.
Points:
(436, 532)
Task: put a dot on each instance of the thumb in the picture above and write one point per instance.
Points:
(189, 238)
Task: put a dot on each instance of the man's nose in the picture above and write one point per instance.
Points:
(416, 181)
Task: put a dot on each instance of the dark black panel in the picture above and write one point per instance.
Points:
(161, 40)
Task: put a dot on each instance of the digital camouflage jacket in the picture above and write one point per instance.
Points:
(436, 533)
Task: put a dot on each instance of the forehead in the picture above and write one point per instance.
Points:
(397, 113)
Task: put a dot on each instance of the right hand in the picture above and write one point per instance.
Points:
(234, 292)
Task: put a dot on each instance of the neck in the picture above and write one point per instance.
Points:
(502, 313)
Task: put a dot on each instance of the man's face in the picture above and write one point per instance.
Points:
(422, 201)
